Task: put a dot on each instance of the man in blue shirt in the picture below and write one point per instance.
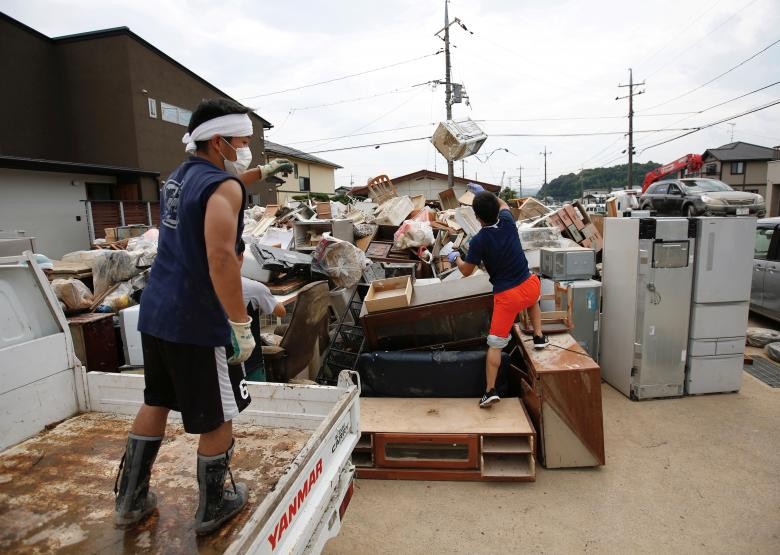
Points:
(515, 289)
(194, 326)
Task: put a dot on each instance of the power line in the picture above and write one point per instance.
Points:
(670, 129)
(743, 62)
(748, 112)
(373, 121)
(692, 19)
(375, 145)
(342, 77)
(710, 32)
(360, 134)
(356, 99)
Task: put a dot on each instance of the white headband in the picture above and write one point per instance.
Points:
(232, 125)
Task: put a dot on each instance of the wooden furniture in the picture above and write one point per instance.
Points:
(304, 338)
(553, 321)
(94, 341)
(445, 314)
(381, 189)
(562, 392)
(444, 439)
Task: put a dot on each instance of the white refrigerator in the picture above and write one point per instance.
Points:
(720, 301)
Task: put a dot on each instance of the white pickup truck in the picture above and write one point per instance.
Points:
(62, 432)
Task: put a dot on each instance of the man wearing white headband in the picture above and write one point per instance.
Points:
(194, 325)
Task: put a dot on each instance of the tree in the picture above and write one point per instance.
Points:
(507, 193)
(569, 186)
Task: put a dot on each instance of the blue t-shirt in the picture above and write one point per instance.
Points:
(498, 246)
(179, 303)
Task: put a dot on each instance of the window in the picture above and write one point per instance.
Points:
(152, 107)
(295, 170)
(763, 240)
(674, 190)
(304, 184)
(737, 168)
(658, 189)
(174, 114)
(711, 169)
(99, 191)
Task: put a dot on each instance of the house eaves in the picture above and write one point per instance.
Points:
(287, 151)
(740, 151)
(37, 164)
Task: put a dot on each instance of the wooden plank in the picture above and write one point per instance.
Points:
(507, 444)
(442, 416)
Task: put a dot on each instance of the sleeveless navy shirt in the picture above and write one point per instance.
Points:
(179, 303)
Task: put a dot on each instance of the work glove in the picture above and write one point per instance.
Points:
(474, 188)
(242, 341)
(275, 166)
(453, 256)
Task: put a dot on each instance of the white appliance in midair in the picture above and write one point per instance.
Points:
(720, 302)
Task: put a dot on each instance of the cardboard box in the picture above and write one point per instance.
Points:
(386, 294)
(110, 234)
(576, 219)
(564, 217)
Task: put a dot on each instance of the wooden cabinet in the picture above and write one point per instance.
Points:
(94, 341)
(562, 392)
(451, 314)
(444, 439)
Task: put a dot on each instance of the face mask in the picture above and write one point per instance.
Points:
(243, 159)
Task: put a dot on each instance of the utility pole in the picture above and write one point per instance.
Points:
(545, 154)
(520, 180)
(630, 97)
(448, 84)
(733, 125)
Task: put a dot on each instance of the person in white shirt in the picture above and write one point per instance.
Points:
(258, 300)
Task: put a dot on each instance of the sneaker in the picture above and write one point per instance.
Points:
(489, 398)
(540, 341)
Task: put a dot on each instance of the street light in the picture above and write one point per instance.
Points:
(492, 153)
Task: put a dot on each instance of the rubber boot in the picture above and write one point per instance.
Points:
(134, 501)
(217, 503)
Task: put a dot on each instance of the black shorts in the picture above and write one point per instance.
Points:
(196, 381)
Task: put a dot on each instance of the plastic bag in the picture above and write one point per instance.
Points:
(145, 250)
(416, 232)
(108, 267)
(773, 350)
(73, 293)
(119, 298)
(759, 337)
(343, 262)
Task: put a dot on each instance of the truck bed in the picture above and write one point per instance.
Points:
(56, 489)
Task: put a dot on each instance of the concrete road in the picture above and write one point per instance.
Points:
(691, 475)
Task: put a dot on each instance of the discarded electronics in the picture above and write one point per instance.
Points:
(568, 263)
(720, 303)
(458, 139)
(584, 298)
(648, 273)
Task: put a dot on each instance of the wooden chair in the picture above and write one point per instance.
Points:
(307, 329)
(381, 189)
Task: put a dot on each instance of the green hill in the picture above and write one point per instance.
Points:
(568, 187)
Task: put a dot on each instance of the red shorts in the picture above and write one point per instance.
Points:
(508, 304)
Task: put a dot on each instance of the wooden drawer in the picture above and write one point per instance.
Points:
(448, 451)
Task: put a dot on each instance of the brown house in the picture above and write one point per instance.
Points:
(105, 98)
(741, 165)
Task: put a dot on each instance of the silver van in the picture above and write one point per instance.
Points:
(765, 289)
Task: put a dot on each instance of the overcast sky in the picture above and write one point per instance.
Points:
(555, 61)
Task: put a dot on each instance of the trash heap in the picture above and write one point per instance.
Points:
(349, 244)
